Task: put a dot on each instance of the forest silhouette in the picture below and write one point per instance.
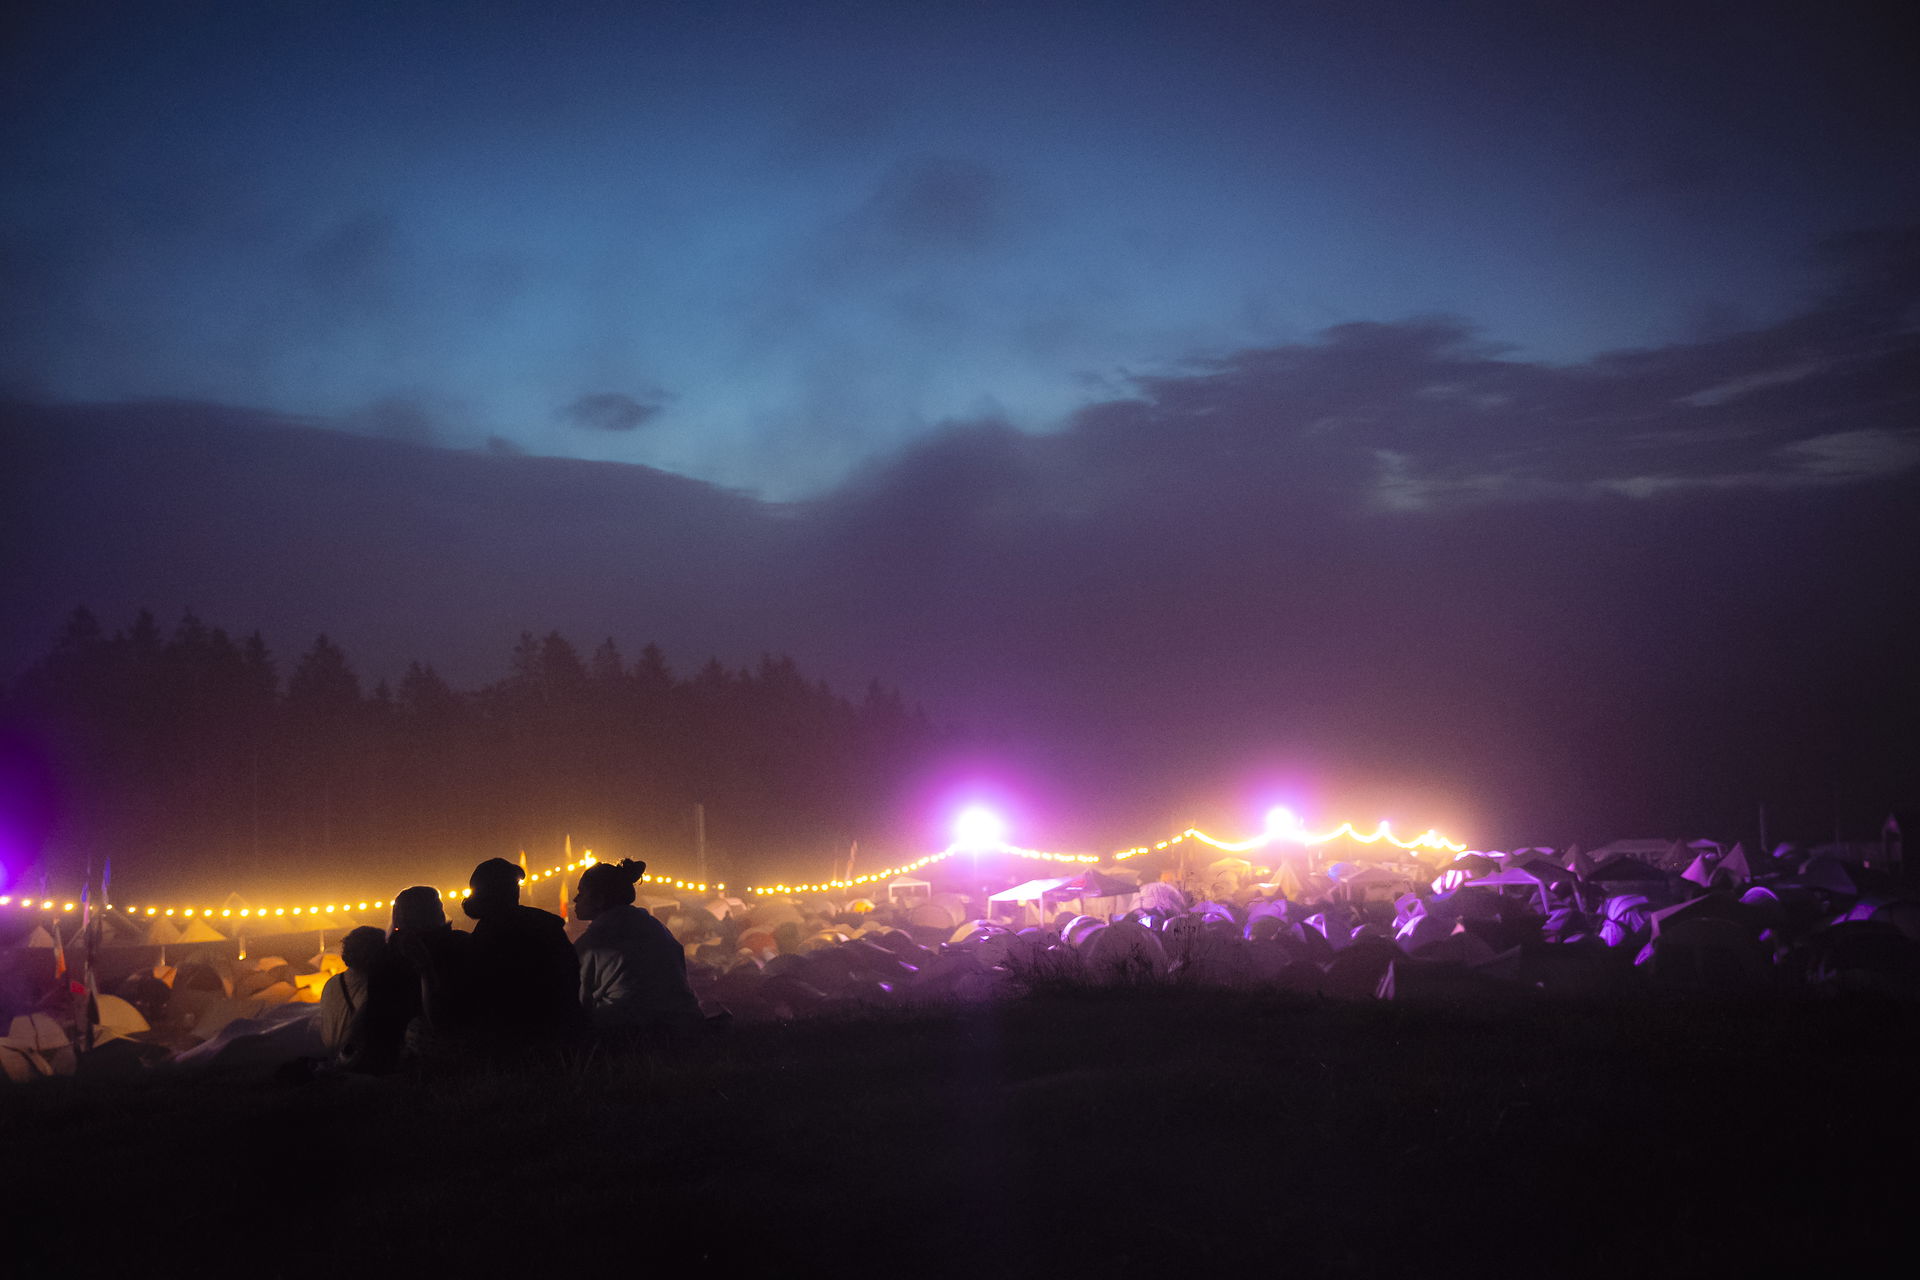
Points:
(189, 758)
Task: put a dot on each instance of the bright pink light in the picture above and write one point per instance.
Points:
(978, 827)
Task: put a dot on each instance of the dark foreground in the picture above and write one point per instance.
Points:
(1124, 1133)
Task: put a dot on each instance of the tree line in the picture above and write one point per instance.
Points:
(187, 753)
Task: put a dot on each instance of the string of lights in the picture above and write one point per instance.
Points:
(978, 833)
(311, 911)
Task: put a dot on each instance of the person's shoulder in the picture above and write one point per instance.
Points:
(536, 918)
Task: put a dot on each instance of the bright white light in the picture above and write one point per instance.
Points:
(1283, 825)
(978, 828)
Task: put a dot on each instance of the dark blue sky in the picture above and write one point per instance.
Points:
(766, 244)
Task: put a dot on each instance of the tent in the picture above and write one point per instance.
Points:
(1712, 906)
(1125, 951)
(935, 915)
(907, 887)
(1824, 872)
(1097, 884)
(257, 1038)
(1161, 897)
(35, 1045)
(1284, 882)
(1543, 869)
(161, 933)
(1224, 876)
(1512, 878)
(200, 931)
(1645, 850)
(118, 1017)
(1031, 891)
(1735, 865)
(1628, 870)
(770, 912)
(1377, 883)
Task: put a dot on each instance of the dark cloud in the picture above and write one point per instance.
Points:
(1541, 601)
(941, 203)
(502, 447)
(399, 418)
(613, 411)
(1422, 414)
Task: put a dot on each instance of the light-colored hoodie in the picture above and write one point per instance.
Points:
(632, 971)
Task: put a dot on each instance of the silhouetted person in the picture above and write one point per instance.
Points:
(633, 973)
(419, 996)
(527, 978)
(346, 993)
(442, 960)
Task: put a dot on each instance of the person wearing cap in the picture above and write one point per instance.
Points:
(526, 975)
(633, 974)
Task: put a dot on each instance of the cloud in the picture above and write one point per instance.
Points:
(1394, 552)
(1422, 414)
(402, 418)
(940, 203)
(613, 411)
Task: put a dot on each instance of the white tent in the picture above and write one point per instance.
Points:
(908, 887)
(1031, 891)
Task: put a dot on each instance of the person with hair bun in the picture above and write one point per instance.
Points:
(633, 974)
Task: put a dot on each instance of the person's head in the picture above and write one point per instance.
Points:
(495, 884)
(605, 885)
(361, 947)
(418, 909)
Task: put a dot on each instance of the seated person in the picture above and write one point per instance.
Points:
(526, 978)
(633, 974)
(420, 992)
(441, 959)
(345, 993)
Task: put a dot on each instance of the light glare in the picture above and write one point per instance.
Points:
(978, 828)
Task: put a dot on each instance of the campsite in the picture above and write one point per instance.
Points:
(1680, 1059)
(857, 640)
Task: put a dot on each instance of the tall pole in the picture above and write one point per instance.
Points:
(700, 843)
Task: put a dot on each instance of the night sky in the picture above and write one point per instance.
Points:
(1510, 403)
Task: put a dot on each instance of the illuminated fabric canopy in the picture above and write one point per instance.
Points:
(1031, 891)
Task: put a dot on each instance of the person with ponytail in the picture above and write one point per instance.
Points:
(633, 974)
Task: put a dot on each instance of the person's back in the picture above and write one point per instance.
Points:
(633, 974)
(526, 974)
(345, 994)
(417, 993)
